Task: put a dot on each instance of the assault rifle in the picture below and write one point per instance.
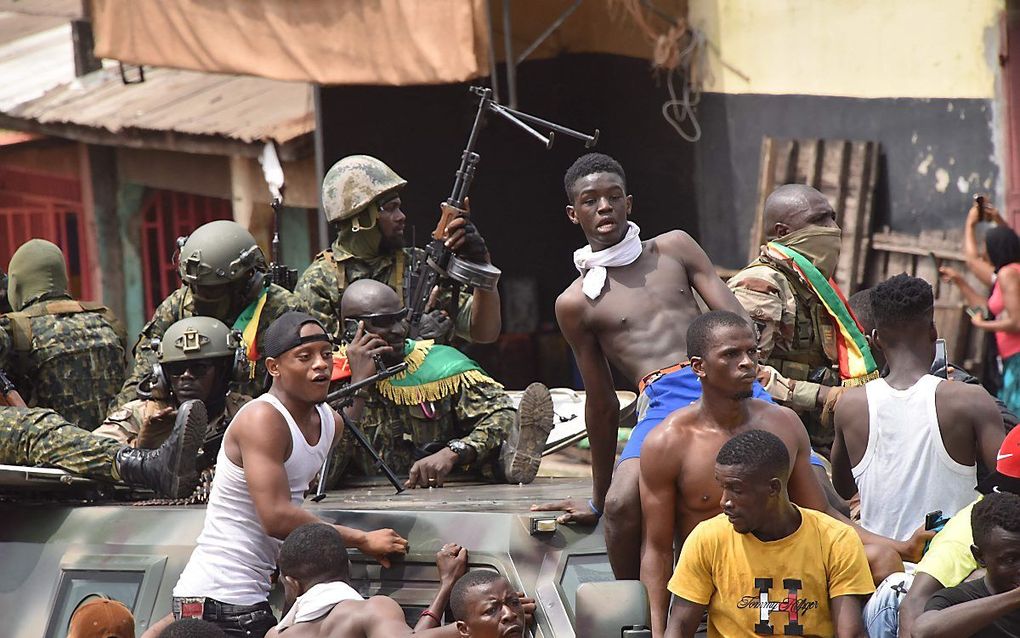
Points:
(9, 395)
(338, 400)
(440, 262)
(279, 273)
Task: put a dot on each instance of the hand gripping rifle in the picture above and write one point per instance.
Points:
(9, 395)
(338, 400)
(440, 262)
(279, 273)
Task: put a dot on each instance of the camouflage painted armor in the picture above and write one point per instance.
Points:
(133, 425)
(64, 355)
(39, 437)
(479, 414)
(321, 287)
(797, 339)
(180, 305)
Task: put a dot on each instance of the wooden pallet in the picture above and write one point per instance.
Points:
(921, 256)
(845, 172)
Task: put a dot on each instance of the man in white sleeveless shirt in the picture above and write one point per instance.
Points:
(271, 451)
(909, 442)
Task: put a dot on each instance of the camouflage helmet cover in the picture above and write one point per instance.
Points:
(355, 182)
(219, 252)
(197, 338)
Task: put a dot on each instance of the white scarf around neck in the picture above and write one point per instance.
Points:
(317, 602)
(592, 264)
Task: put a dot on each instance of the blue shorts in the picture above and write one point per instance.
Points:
(668, 393)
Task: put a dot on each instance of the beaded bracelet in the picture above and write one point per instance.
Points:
(429, 613)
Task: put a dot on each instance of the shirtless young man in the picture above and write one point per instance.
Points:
(678, 490)
(321, 603)
(271, 451)
(630, 308)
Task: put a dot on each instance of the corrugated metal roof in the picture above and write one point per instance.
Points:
(242, 108)
(36, 54)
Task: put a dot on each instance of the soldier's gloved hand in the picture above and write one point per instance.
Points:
(432, 470)
(462, 236)
(436, 325)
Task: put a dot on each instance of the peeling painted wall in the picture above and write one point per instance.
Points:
(854, 48)
(922, 79)
(935, 154)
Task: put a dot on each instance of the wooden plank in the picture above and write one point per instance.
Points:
(867, 208)
(766, 184)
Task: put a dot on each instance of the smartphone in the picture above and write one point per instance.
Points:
(350, 330)
(979, 201)
(933, 521)
(940, 367)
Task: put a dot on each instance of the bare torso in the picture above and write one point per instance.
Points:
(698, 493)
(641, 318)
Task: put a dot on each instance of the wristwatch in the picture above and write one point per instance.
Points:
(461, 449)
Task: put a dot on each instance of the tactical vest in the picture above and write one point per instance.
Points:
(21, 321)
(814, 337)
(397, 277)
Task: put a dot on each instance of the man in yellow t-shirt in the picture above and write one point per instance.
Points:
(765, 566)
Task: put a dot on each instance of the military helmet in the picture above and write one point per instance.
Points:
(219, 252)
(355, 182)
(197, 338)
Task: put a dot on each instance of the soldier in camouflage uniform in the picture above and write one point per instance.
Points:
(443, 414)
(62, 354)
(361, 199)
(798, 357)
(223, 272)
(197, 359)
(39, 437)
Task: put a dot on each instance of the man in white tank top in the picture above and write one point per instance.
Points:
(909, 442)
(271, 451)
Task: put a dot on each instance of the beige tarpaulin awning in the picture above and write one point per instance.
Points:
(381, 42)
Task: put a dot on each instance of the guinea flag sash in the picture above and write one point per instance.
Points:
(248, 323)
(433, 372)
(856, 365)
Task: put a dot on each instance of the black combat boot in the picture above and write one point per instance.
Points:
(521, 453)
(169, 469)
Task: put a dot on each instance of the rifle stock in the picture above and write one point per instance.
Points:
(9, 395)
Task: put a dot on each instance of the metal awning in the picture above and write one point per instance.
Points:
(174, 110)
(36, 54)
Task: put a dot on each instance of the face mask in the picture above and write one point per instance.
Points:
(360, 235)
(820, 245)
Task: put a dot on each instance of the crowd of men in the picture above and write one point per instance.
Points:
(796, 450)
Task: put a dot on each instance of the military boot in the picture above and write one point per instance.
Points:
(169, 469)
(521, 453)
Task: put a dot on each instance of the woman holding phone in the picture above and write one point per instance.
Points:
(999, 268)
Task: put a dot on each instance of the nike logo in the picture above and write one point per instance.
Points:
(999, 457)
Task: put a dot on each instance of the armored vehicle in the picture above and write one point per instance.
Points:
(64, 538)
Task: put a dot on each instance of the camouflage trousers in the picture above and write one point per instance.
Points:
(39, 437)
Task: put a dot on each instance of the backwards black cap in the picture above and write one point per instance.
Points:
(285, 333)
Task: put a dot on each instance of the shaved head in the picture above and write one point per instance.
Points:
(794, 206)
(366, 297)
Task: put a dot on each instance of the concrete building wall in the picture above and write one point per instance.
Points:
(922, 79)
